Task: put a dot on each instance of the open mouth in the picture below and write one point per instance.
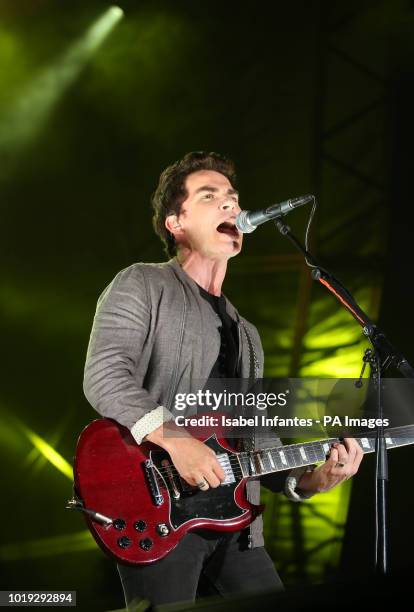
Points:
(228, 228)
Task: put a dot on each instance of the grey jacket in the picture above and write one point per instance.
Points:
(153, 334)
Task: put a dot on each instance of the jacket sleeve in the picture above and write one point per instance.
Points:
(119, 332)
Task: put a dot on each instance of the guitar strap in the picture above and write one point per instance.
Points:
(248, 444)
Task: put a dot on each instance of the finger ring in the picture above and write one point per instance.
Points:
(339, 464)
(202, 484)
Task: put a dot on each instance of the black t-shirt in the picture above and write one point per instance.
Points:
(226, 367)
(226, 364)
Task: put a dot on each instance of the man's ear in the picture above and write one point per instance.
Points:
(172, 224)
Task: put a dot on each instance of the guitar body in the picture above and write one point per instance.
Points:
(151, 507)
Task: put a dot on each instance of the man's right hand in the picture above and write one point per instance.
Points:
(194, 460)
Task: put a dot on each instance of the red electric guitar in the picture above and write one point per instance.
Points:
(138, 507)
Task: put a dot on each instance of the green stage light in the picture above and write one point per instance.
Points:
(98, 31)
(23, 122)
(14, 431)
(116, 12)
(48, 547)
(49, 453)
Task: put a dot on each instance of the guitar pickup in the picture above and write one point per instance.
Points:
(151, 476)
(224, 461)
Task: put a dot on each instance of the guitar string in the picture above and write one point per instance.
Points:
(316, 445)
(287, 450)
(237, 469)
(291, 448)
(315, 448)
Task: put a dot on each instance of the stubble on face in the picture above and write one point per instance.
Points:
(211, 203)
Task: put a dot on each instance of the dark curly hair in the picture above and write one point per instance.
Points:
(171, 191)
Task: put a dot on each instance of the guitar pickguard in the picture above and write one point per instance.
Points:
(188, 502)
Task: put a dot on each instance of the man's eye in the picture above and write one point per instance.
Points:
(209, 196)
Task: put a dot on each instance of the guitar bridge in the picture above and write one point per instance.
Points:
(170, 475)
(151, 476)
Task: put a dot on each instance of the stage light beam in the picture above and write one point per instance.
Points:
(22, 124)
(81, 541)
(49, 453)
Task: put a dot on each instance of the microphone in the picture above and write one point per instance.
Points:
(247, 220)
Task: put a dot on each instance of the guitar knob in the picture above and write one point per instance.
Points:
(162, 529)
(140, 525)
(119, 524)
(124, 542)
(145, 544)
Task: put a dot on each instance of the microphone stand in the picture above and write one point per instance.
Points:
(380, 358)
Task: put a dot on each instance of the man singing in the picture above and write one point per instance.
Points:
(158, 325)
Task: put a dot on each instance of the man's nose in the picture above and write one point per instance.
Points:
(230, 205)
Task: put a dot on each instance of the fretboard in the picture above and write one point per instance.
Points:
(289, 456)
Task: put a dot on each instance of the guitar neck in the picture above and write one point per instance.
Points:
(280, 458)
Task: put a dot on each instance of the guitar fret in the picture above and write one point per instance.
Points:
(244, 464)
(281, 458)
(261, 462)
(302, 453)
(277, 460)
(290, 454)
(296, 458)
(251, 466)
(310, 453)
(269, 455)
(320, 453)
(265, 461)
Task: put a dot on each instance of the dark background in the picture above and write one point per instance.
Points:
(306, 97)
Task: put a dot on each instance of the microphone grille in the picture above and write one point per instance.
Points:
(242, 223)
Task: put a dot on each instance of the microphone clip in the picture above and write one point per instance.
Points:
(282, 226)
